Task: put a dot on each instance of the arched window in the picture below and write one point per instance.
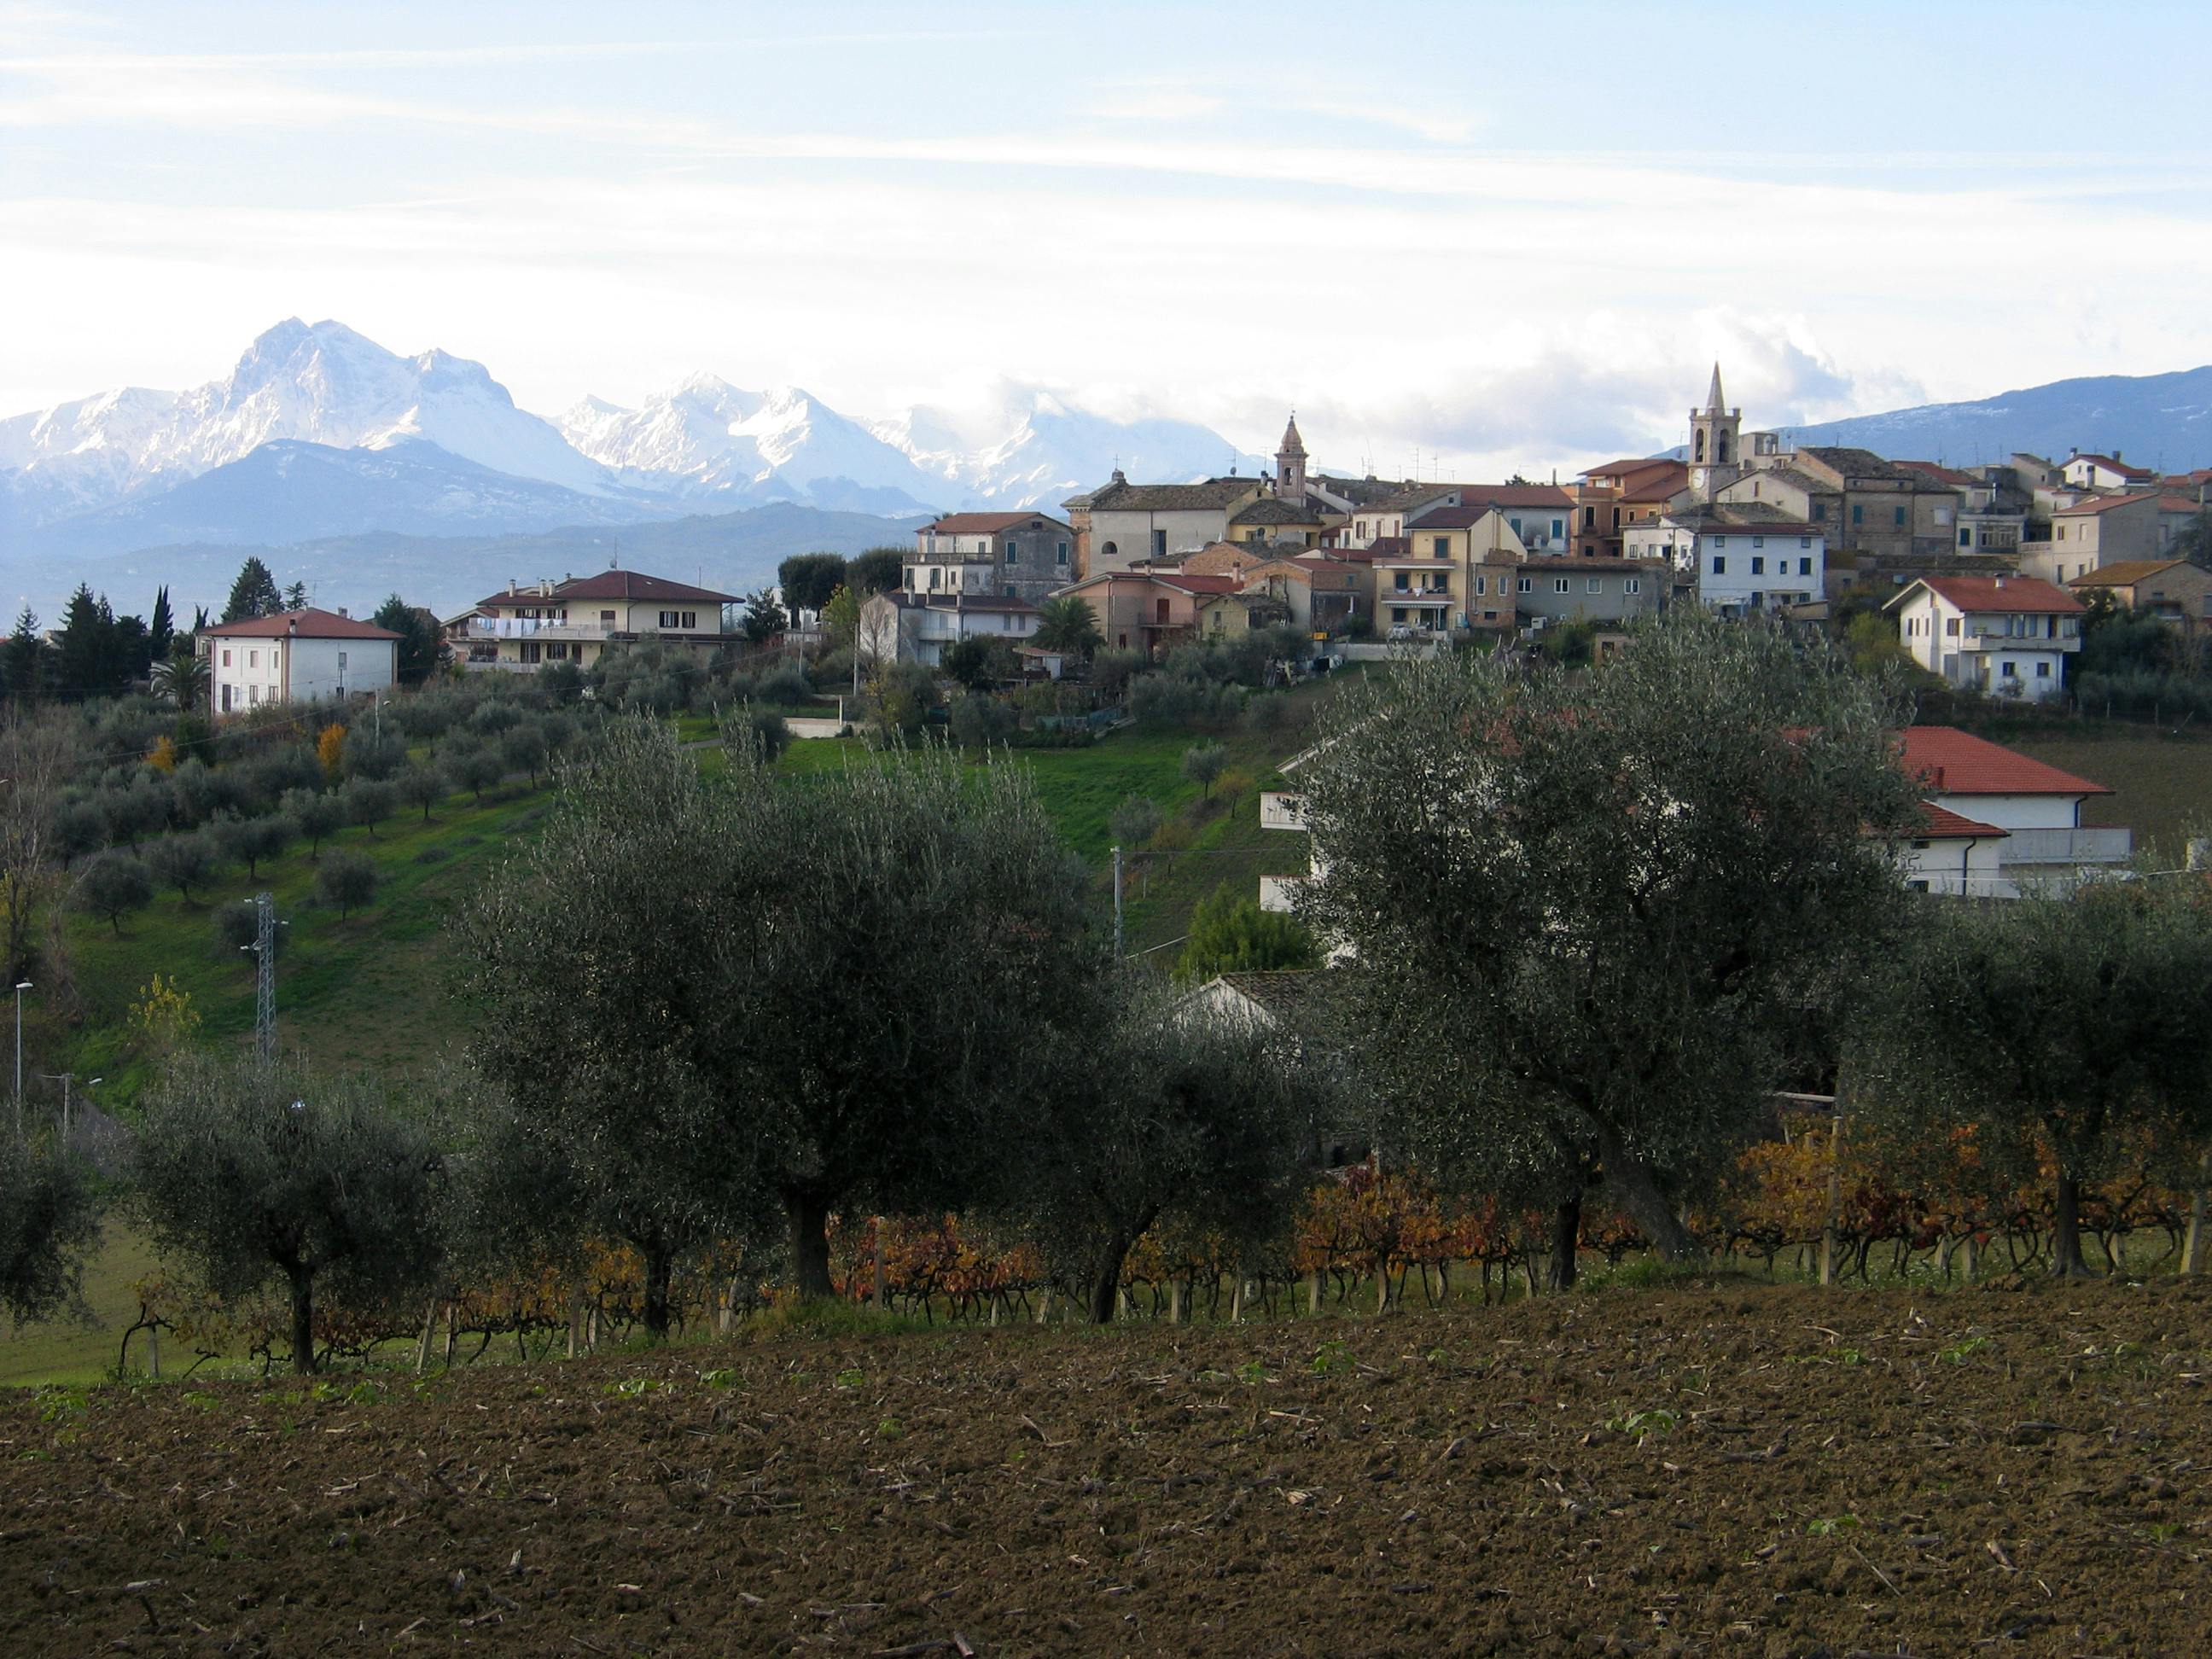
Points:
(1698, 454)
(1110, 549)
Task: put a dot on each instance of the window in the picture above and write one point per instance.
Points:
(342, 657)
(2043, 670)
(1481, 585)
(253, 695)
(253, 660)
(1590, 517)
(1804, 567)
(1759, 564)
(556, 652)
(1159, 544)
(1951, 627)
(1558, 528)
(1514, 525)
(1858, 513)
(1440, 546)
(1720, 541)
(225, 660)
(1594, 585)
(1632, 584)
(1758, 541)
(1559, 584)
(1897, 515)
(1524, 585)
(1720, 565)
(1804, 541)
(2008, 671)
(2061, 533)
(607, 619)
(1012, 552)
(1059, 553)
(531, 652)
(1819, 513)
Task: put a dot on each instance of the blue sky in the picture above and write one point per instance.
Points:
(1508, 235)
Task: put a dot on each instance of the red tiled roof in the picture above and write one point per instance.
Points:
(2012, 593)
(1955, 762)
(2117, 466)
(2100, 504)
(613, 585)
(2171, 503)
(1201, 584)
(2125, 574)
(1941, 823)
(985, 524)
(306, 623)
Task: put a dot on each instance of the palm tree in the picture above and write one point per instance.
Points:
(185, 680)
(1067, 624)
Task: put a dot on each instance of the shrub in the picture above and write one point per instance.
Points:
(183, 862)
(330, 750)
(318, 815)
(346, 881)
(368, 802)
(1135, 821)
(80, 827)
(769, 733)
(370, 757)
(787, 688)
(1202, 763)
(238, 927)
(112, 885)
(979, 720)
(420, 786)
(249, 841)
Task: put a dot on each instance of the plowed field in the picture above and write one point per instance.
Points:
(1735, 1468)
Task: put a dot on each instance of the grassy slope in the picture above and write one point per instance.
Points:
(2160, 784)
(66, 1352)
(368, 989)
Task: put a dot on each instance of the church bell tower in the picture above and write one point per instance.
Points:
(1715, 438)
(1291, 465)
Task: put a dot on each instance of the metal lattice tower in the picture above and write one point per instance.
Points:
(264, 975)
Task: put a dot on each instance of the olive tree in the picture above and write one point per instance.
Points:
(885, 1029)
(2067, 1026)
(1156, 1111)
(1589, 909)
(49, 1226)
(628, 1133)
(112, 885)
(253, 1175)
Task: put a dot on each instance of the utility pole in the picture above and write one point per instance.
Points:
(22, 986)
(1117, 903)
(264, 975)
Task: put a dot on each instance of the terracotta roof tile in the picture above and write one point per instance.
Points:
(1955, 762)
(2017, 595)
(306, 623)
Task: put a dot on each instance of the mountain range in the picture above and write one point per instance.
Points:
(352, 466)
(318, 433)
(2161, 421)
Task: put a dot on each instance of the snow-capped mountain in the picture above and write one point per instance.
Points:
(706, 436)
(1047, 449)
(321, 384)
(287, 444)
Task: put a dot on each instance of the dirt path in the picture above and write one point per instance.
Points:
(1753, 1470)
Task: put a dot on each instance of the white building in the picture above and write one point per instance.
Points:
(1737, 556)
(902, 626)
(296, 656)
(2000, 818)
(2006, 637)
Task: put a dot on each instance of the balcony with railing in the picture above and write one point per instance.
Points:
(1282, 809)
(2067, 846)
(533, 627)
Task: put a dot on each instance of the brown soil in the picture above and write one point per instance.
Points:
(1785, 1472)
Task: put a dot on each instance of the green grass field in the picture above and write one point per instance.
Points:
(65, 1350)
(2160, 784)
(368, 989)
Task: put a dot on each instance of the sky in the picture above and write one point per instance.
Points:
(1460, 238)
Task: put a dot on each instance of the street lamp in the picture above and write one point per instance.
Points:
(22, 986)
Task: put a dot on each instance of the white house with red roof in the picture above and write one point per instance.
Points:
(294, 656)
(2091, 472)
(1997, 818)
(579, 618)
(2005, 636)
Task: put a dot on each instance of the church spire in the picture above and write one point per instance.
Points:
(1714, 402)
(1291, 462)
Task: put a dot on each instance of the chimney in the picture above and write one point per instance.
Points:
(510, 585)
(2116, 455)
(2001, 582)
(544, 587)
(345, 613)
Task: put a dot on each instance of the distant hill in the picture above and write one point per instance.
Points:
(731, 552)
(2162, 421)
